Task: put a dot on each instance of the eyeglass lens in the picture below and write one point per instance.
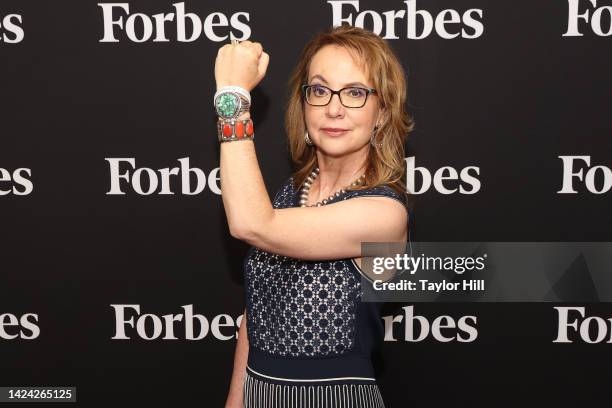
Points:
(353, 97)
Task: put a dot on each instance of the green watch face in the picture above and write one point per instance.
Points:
(227, 104)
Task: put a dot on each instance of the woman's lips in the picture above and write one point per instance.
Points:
(334, 131)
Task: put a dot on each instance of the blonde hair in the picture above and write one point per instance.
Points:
(385, 164)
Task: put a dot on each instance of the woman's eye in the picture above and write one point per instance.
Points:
(318, 90)
(356, 92)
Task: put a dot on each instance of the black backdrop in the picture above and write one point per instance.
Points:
(504, 105)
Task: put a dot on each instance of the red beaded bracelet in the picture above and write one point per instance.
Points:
(229, 130)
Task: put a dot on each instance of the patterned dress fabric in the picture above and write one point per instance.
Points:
(310, 336)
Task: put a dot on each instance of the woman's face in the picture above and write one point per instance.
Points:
(335, 129)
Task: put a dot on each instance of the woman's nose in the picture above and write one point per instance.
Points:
(334, 108)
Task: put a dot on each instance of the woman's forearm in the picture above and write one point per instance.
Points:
(245, 198)
(235, 396)
(244, 194)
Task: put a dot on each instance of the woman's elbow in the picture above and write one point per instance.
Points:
(251, 230)
(242, 231)
(237, 231)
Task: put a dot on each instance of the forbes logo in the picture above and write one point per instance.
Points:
(591, 330)
(187, 325)
(24, 327)
(597, 179)
(443, 328)
(448, 24)
(146, 181)
(139, 27)
(10, 29)
(592, 17)
(18, 182)
(445, 180)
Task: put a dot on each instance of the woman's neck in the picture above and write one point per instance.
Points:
(335, 173)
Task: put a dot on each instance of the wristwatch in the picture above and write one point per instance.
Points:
(231, 104)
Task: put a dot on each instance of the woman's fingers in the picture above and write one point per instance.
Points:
(243, 64)
(264, 60)
(257, 47)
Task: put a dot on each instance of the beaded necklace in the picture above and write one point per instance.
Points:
(310, 179)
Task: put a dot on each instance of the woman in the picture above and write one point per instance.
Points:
(308, 337)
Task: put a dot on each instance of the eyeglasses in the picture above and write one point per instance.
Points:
(350, 97)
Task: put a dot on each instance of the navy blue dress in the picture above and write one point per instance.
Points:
(310, 336)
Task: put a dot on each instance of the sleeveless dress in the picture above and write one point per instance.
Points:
(310, 336)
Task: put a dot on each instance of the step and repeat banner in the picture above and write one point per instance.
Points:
(120, 281)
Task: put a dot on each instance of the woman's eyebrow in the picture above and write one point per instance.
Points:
(318, 77)
(345, 85)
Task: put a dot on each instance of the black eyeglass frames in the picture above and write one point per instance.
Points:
(350, 97)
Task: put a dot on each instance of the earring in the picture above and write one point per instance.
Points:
(307, 139)
(373, 138)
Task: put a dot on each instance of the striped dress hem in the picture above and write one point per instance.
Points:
(261, 391)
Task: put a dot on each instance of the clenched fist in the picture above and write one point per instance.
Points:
(242, 64)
